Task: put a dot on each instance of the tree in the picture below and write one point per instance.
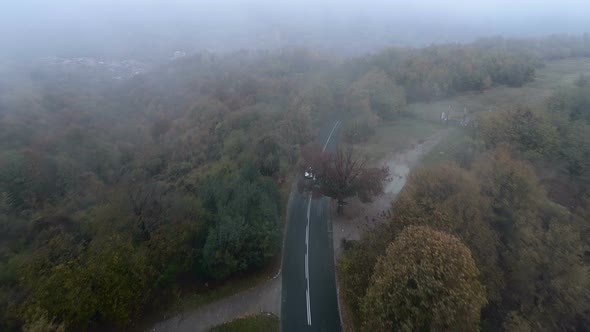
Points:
(427, 280)
(511, 185)
(345, 174)
(159, 128)
(244, 233)
(547, 278)
(174, 249)
(377, 92)
(448, 198)
(268, 156)
(516, 323)
(577, 150)
(528, 132)
(296, 125)
(107, 280)
(357, 264)
(29, 179)
(37, 321)
(146, 208)
(358, 131)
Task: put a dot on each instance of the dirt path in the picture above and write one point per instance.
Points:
(262, 298)
(359, 217)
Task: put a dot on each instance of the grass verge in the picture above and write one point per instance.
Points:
(264, 322)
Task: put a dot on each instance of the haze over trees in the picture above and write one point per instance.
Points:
(528, 239)
(121, 195)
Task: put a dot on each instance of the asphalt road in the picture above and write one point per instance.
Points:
(309, 301)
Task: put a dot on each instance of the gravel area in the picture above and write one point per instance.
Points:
(358, 217)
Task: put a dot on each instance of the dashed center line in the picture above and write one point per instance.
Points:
(328, 140)
(307, 293)
(307, 264)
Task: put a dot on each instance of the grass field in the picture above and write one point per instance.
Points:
(552, 77)
(264, 322)
(549, 78)
(391, 137)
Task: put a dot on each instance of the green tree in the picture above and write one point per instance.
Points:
(245, 232)
(268, 156)
(37, 321)
(575, 150)
(109, 282)
(427, 280)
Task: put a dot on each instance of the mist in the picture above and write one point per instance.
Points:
(271, 165)
(157, 28)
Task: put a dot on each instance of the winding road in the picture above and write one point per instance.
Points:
(309, 301)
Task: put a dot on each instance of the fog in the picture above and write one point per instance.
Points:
(153, 28)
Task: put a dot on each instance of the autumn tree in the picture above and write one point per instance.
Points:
(355, 267)
(448, 198)
(542, 250)
(547, 276)
(345, 174)
(427, 280)
(511, 185)
(528, 132)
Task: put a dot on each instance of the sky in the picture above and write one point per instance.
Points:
(132, 27)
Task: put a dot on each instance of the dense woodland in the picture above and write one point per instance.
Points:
(115, 198)
(487, 230)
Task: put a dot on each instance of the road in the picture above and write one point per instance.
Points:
(309, 301)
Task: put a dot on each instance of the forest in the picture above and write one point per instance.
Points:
(115, 199)
(494, 239)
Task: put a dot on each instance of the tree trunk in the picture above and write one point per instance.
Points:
(340, 208)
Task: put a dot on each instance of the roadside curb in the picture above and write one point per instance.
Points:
(331, 236)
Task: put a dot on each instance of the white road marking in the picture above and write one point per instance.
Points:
(328, 140)
(308, 308)
(307, 263)
(306, 268)
(307, 295)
